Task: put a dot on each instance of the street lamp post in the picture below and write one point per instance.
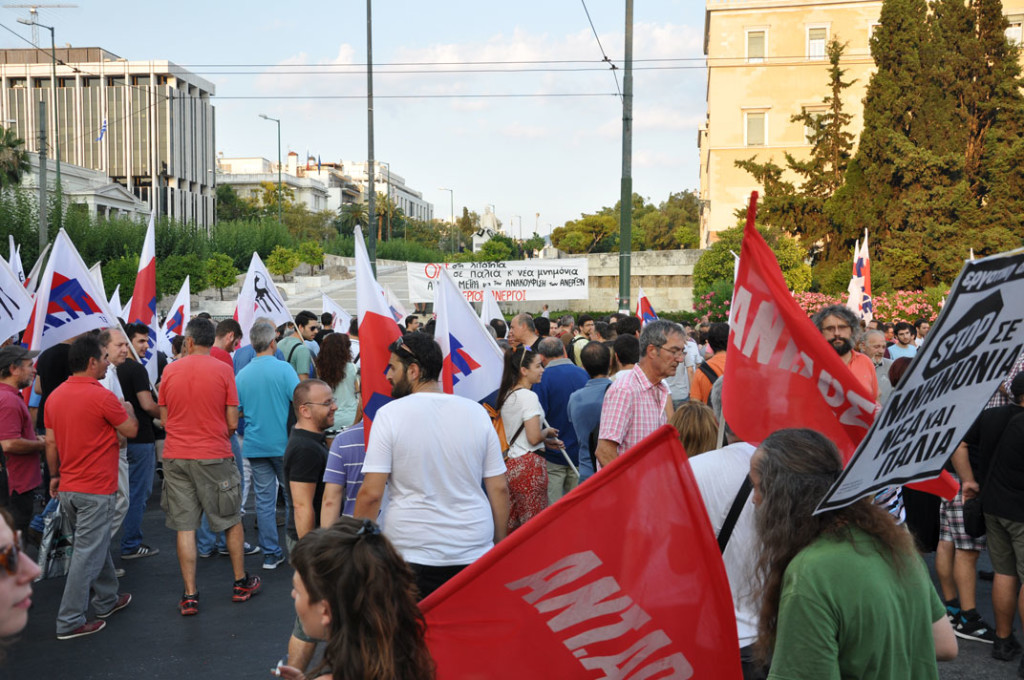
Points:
(53, 92)
(451, 197)
(280, 198)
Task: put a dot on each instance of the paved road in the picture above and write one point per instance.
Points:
(227, 640)
(149, 638)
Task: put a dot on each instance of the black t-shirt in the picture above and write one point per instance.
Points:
(305, 459)
(134, 379)
(1003, 492)
(321, 334)
(52, 369)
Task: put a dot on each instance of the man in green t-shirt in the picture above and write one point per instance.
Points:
(294, 347)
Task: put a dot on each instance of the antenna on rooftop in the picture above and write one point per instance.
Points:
(33, 15)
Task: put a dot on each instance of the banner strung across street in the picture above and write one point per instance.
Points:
(969, 351)
(607, 582)
(517, 281)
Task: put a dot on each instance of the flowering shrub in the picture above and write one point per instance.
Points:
(714, 304)
(904, 305)
(812, 302)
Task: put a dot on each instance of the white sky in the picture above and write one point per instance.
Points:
(559, 156)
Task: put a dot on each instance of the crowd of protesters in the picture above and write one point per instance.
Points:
(371, 528)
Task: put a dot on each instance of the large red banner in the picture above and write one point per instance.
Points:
(781, 372)
(622, 578)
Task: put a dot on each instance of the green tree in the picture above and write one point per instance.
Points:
(534, 243)
(311, 253)
(353, 214)
(13, 158)
(282, 261)
(171, 272)
(494, 250)
(585, 234)
(230, 206)
(221, 272)
(717, 263)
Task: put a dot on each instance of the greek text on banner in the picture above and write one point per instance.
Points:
(968, 353)
(516, 281)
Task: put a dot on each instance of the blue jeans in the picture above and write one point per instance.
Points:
(267, 474)
(206, 540)
(141, 465)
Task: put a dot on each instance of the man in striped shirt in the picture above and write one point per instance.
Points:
(344, 474)
(636, 404)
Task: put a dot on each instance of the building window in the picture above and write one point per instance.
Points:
(754, 128)
(756, 40)
(817, 36)
(816, 113)
(1015, 31)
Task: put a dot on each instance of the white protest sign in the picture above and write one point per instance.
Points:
(969, 351)
(516, 281)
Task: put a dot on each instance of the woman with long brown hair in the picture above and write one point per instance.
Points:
(334, 366)
(523, 418)
(353, 590)
(843, 593)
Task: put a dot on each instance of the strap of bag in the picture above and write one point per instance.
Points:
(708, 372)
(734, 513)
(292, 352)
(504, 454)
(592, 440)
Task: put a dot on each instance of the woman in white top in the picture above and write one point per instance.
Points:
(523, 418)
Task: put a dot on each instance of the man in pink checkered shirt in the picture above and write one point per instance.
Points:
(636, 404)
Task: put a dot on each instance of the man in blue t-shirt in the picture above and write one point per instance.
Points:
(265, 389)
(585, 404)
(560, 379)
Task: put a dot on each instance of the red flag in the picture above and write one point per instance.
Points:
(629, 584)
(776, 351)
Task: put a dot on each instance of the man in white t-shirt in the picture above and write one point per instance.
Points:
(115, 344)
(679, 384)
(448, 500)
(720, 476)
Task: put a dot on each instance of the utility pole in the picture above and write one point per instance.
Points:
(280, 189)
(626, 192)
(371, 168)
(43, 237)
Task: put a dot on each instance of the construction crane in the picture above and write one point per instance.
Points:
(33, 13)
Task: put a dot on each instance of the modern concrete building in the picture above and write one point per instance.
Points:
(148, 125)
(389, 183)
(765, 63)
(248, 175)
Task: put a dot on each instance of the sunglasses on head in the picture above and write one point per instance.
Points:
(399, 346)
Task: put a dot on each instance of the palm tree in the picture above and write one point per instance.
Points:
(353, 214)
(13, 158)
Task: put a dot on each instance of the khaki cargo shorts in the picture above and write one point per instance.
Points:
(192, 487)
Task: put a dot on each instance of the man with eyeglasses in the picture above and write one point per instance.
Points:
(448, 500)
(841, 328)
(635, 405)
(305, 459)
(265, 388)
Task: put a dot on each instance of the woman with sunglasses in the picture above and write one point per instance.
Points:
(523, 417)
(354, 591)
(18, 572)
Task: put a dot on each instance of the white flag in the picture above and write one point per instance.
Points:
(32, 282)
(342, 319)
(259, 297)
(15, 260)
(15, 303)
(489, 307)
(115, 300)
(473, 362)
(397, 309)
(177, 317)
(68, 302)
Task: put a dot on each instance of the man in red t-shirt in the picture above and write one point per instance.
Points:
(199, 408)
(21, 446)
(83, 420)
(229, 336)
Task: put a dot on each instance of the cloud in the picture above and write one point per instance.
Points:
(520, 131)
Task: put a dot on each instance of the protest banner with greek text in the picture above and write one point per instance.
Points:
(968, 352)
(516, 281)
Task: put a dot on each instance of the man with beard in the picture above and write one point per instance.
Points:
(448, 500)
(305, 459)
(841, 328)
